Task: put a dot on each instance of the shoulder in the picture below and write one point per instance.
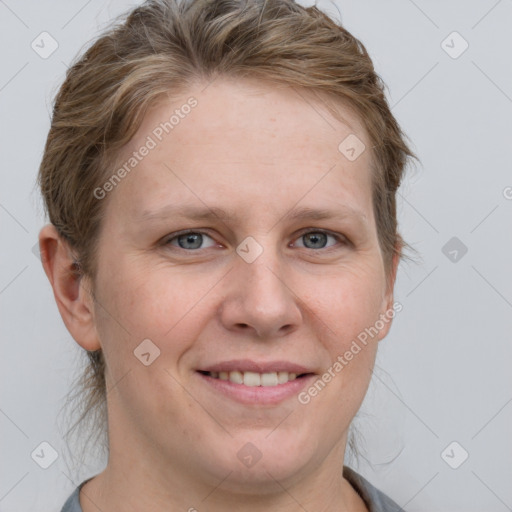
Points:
(375, 500)
(73, 502)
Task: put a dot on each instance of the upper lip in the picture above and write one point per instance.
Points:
(247, 365)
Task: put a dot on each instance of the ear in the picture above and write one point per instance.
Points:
(71, 291)
(388, 311)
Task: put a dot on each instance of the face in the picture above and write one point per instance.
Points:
(261, 289)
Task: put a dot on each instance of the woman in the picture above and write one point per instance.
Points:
(220, 179)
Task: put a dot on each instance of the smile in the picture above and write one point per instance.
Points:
(252, 379)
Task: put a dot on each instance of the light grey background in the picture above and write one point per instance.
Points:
(444, 370)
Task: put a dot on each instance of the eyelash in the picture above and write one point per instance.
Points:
(339, 238)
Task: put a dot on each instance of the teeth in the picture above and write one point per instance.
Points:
(252, 379)
(269, 379)
(237, 377)
(282, 377)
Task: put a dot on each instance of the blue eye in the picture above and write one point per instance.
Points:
(190, 241)
(316, 239)
(193, 240)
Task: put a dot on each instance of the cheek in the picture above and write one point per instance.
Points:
(137, 302)
(347, 303)
(344, 311)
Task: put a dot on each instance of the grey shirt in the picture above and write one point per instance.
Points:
(375, 500)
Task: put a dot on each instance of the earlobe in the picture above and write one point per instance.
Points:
(71, 292)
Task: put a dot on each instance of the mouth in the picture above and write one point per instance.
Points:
(256, 383)
(253, 379)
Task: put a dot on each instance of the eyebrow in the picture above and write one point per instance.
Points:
(212, 212)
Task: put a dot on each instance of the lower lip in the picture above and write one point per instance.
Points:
(263, 395)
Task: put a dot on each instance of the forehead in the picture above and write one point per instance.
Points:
(236, 108)
(246, 142)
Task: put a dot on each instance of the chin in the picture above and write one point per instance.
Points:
(256, 463)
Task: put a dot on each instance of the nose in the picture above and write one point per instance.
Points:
(260, 300)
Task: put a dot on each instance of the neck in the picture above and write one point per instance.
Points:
(129, 483)
(141, 476)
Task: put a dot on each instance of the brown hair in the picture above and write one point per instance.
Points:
(161, 48)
